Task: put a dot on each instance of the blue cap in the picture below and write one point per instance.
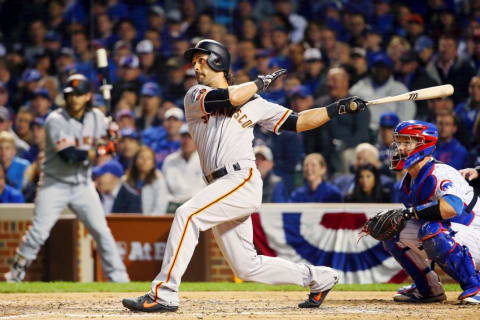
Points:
(130, 61)
(278, 62)
(98, 100)
(41, 92)
(39, 121)
(422, 43)
(111, 166)
(52, 36)
(382, 58)
(389, 119)
(150, 89)
(129, 133)
(31, 75)
(300, 91)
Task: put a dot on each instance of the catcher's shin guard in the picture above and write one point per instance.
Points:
(453, 258)
(426, 281)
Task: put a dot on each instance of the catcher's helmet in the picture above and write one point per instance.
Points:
(77, 83)
(219, 57)
(426, 136)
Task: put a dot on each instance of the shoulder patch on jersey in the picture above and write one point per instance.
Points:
(446, 184)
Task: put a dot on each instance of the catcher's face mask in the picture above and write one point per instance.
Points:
(402, 149)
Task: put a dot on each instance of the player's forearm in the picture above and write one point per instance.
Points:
(241, 93)
(311, 119)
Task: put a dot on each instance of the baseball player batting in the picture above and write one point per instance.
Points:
(71, 135)
(221, 119)
(442, 223)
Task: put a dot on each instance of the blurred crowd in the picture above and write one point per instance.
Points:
(331, 49)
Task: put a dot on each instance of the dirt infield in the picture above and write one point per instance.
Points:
(231, 305)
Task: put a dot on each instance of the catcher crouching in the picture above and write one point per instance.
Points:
(439, 224)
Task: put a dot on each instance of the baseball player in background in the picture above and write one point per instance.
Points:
(443, 224)
(71, 136)
(220, 119)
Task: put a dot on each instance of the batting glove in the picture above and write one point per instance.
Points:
(347, 105)
(263, 82)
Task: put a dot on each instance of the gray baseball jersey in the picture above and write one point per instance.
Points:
(63, 131)
(222, 140)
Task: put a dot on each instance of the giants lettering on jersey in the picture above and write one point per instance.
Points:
(242, 119)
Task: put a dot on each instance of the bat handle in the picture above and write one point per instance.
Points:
(353, 106)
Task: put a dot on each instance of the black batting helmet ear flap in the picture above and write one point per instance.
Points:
(215, 62)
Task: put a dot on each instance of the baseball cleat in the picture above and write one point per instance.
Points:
(470, 296)
(315, 299)
(147, 304)
(412, 295)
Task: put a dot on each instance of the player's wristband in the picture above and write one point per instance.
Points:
(429, 211)
(332, 110)
(259, 83)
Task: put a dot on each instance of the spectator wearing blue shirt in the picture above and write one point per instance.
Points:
(165, 140)
(449, 150)
(316, 189)
(7, 193)
(388, 122)
(38, 129)
(13, 166)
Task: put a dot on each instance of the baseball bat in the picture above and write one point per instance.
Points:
(105, 87)
(422, 94)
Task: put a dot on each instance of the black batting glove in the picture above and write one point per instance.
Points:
(347, 105)
(263, 82)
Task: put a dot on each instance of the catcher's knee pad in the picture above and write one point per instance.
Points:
(413, 264)
(453, 258)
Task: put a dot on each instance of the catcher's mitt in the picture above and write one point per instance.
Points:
(386, 224)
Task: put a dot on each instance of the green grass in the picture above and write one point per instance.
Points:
(37, 287)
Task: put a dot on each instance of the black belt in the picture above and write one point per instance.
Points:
(217, 174)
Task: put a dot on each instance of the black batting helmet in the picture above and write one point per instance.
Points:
(219, 57)
(77, 83)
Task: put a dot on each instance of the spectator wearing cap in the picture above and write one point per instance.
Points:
(358, 60)
(175, 89)
(448, 68)
(156, 18)
(127, 147)
(414, 78)
(22, 126)
(382, 84)
(316, 188)
(116, 197)
(38, 142)
(467, 113)
(149, 182)
(448, 149)
(13, 165)
(174, 29)
(150, 62)
(415, 27)
(182, 171)
(424, 48)
(65, 61)
(388, 122)
(150, 102)
(315, 70)
(53, 43)
(337, 138)
(8, 194)
(41, 103)
(125, 119)
(165, 139)
(21, 146)
(128, 77)
(29, 82)
(273, 186)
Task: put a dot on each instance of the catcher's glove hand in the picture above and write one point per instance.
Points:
(387, 224)
(263, 82)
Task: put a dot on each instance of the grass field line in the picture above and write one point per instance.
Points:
(46, 287)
